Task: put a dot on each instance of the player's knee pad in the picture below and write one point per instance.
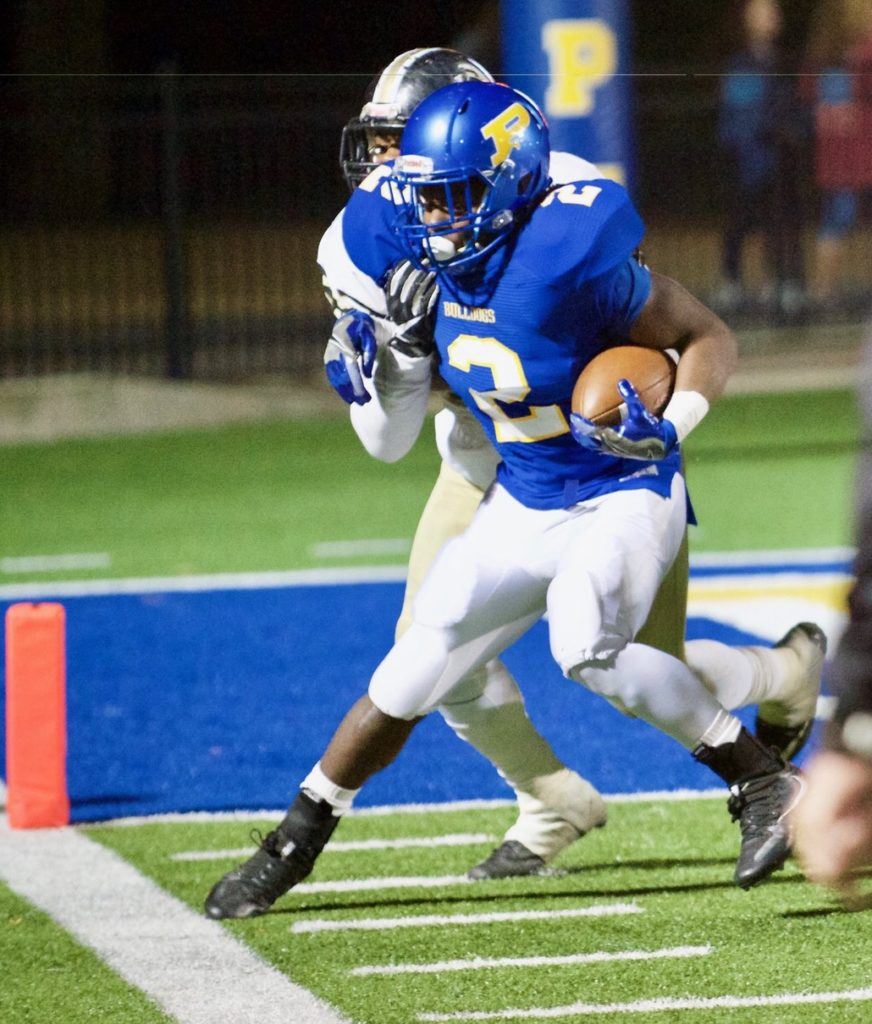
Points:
(477, 701)
(490, 686)
(404, 684)
(601, 676)
(582, 628)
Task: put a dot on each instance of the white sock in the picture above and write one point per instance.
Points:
(738, 676)
(724, 729)
(317, 783)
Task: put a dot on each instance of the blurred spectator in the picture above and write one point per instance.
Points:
(760, 135)
(834, 820)
(840, 55)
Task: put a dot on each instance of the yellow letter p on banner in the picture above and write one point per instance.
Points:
(582, 56)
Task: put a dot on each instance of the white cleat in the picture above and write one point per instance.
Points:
(786, 723)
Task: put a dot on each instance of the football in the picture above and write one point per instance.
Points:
(595, 395)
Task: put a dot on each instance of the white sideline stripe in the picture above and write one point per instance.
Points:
(175, 817)
(193, 968)
(825, 708)
(376, 884)
(458, 839)
(657, 1006)
(481, 963)
(321, 577)
(378, 924)
(205, 583)
(356, 548)
(53, 563)
(784, 556)
(788, 580)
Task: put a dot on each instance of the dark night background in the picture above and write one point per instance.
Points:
(175, 164)
(269, 36)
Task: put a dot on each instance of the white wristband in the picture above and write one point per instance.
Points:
(684, 410)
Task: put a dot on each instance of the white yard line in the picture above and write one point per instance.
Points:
(359, 548)
(191, 967)
(360, 574)
(378, 924)
(55, 563)
(573, 959)
(657, 1005)
(783, 556)
(350, 845)
(206, 583)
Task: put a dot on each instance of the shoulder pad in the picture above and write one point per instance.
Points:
(588, 227)
(367, 227)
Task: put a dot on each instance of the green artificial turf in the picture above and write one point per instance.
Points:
(673, 860)
(48, 976)
(765, 472)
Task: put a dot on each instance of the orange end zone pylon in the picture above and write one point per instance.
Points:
(36, 717)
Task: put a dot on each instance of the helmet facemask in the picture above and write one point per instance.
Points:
(481, 206)
(394, 94)
(355, 148)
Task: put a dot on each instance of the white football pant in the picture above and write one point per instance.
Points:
(595, 568)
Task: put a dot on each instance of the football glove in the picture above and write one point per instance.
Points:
(411, 296)
(350, 356)
(641, 435)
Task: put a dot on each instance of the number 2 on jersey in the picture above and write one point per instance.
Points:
(510, 386)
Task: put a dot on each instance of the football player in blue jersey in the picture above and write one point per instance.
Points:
(556, 806)
(582, 522)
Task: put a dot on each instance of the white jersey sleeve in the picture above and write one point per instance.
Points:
(390, 423)
(566, 167)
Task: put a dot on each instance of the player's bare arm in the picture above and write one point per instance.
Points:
(673, 319)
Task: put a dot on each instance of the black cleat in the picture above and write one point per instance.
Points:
(788, 740)
(786, 723)
(761, 805)
(286, 856)
(510, 860)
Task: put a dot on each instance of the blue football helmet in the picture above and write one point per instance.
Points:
(474, 158)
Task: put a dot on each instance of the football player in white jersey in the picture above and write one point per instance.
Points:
(556, 806)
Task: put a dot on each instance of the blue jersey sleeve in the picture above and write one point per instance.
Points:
(617, 297)
(368, 233)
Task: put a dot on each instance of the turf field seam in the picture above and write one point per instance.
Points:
(374, 924)
(661, 1005)
(190, 966)
(573, 959)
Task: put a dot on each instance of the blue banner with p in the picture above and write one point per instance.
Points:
(573, 58)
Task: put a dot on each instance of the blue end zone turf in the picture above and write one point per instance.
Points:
(225, 699)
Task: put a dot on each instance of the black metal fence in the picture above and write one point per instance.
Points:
(168, 224)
